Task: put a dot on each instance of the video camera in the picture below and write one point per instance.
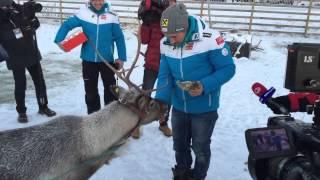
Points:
(9, 10)
(289, 149)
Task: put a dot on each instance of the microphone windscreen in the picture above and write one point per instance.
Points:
(258, 89)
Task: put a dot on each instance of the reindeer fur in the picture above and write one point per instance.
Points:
(54, 150)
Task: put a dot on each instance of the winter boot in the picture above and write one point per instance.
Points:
(165, 130)
(46, 111)
(181, 174)
(22, 118)
(136, 133)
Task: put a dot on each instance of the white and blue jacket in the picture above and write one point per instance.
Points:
(205, 58)
(102, 29)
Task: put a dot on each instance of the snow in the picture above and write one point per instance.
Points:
(152, 156)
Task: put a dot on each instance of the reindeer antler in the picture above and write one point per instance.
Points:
(125, 77)
(120, 74)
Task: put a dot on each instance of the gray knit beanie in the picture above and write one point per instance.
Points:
(174, 19)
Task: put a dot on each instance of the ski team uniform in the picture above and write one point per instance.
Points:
(102, 29)
(206, 58)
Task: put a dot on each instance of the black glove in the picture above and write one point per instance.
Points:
(282, 101)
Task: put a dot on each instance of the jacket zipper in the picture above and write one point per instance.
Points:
(181, 73)
(97, 38)
(210, 100)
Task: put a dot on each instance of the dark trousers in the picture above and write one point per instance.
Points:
(90, 73)
(20, 81)
(196, 129)
(149, 78)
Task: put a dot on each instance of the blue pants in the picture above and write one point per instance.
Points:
(195, 129)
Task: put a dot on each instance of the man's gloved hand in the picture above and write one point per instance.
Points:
(118, 64)
(299, 101)
(293, 102)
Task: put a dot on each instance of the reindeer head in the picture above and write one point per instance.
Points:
(147, 108)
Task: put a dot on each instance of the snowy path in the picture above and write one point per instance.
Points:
(151, 157)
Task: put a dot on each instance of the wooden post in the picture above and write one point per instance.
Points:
(308, 18)
(60, 11)
(251, 16)
(209, 13)
(201, 8)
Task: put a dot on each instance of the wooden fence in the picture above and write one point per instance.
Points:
(276, 16)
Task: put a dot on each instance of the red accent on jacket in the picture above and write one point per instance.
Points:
(151, 35)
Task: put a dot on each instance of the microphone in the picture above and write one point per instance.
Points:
(265, 96)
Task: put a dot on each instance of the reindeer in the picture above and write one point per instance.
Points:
(74, 147)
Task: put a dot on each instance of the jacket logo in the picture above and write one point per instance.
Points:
(195, 36)
(104, 17)
(164, 22)
(224, 52)
(219, 40)
(189, 46)
(208, 35)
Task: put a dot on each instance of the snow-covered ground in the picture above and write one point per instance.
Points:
(151, 157)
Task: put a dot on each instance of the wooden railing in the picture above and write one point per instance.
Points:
(276, 16)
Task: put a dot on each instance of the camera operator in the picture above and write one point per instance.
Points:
(18, 25)
(3, 54)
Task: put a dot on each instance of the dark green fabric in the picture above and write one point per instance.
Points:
(193, 28)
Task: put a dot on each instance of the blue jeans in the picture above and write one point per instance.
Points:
(196, 129)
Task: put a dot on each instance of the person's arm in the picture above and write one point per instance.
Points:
(145, 33)
(68, 25)
(165, 82)
(224, 66)
(119, 39)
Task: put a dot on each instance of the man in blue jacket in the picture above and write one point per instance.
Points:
(102, 28)
(195, 63)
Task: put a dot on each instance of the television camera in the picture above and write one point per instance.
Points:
(23, 15)
(288, 148)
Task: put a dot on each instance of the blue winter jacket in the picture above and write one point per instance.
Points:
(203, 57)
(102, 29)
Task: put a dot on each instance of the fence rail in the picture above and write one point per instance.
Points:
(278, 16)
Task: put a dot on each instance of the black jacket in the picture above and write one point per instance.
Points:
(22, 52)
(3, 54)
